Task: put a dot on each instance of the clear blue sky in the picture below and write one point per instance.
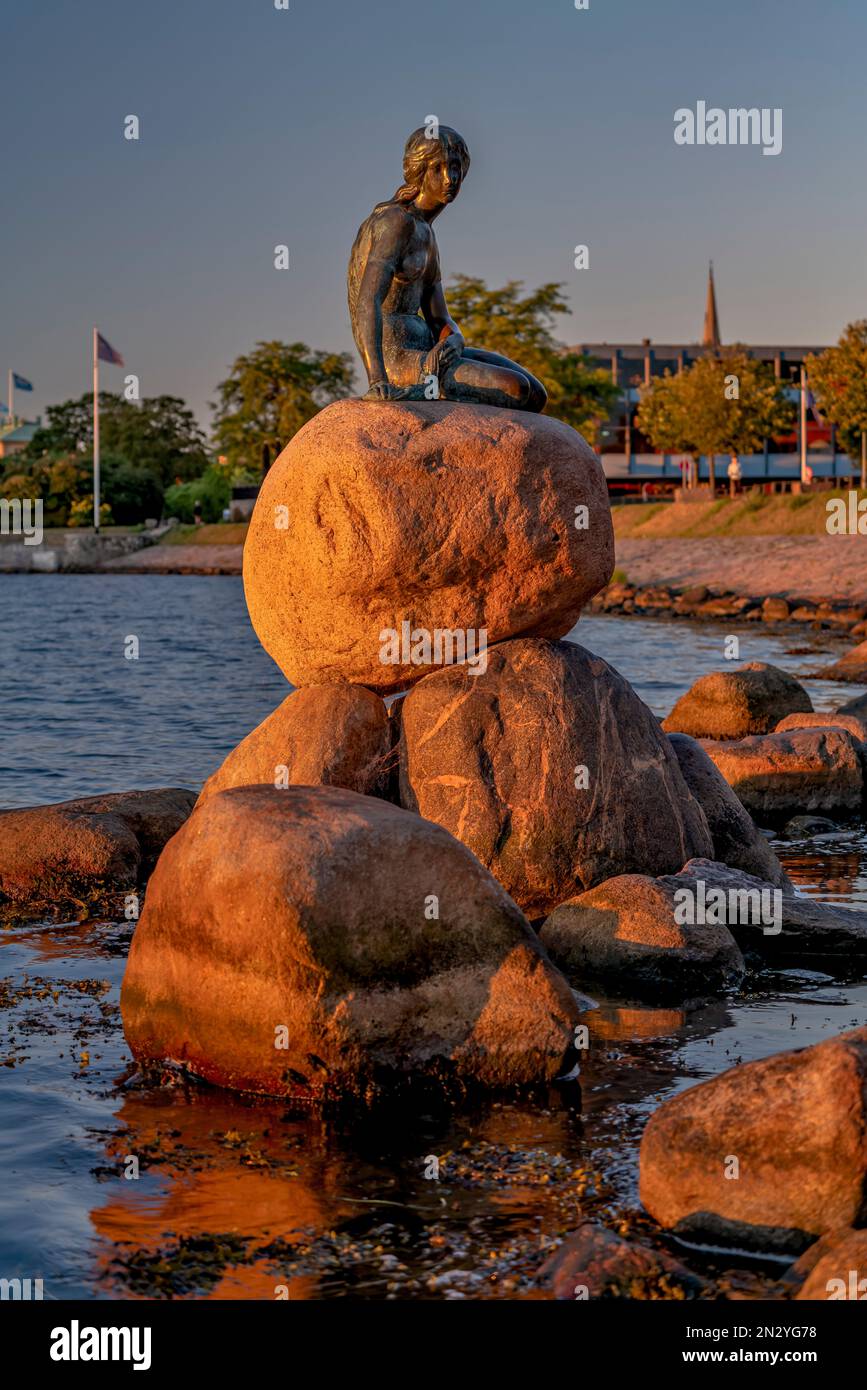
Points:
(261, 126)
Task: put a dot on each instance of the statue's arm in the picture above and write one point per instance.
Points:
(449, 343)
(387, 240)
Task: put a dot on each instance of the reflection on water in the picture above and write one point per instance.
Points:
(241, 1198)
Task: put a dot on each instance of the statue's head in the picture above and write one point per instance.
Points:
(435, 162)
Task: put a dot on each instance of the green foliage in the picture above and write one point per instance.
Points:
(838, 380)
(133, 493)
(696, 412)
(270, 393)
(519, 326)
(212, 490)
(159, 434)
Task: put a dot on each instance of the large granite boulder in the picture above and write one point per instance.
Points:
(80, 848)
(388, 537)
(851, 666)
(781, 774)
(324, 735)
(626, 934)
(769, 1155)
(307, 941)
(551, 769)
(737, 839)
(750, 699)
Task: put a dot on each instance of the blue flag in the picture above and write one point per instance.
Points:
(106, 353)
(21, 383)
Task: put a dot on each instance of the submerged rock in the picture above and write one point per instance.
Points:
(751, 699)
(74, 849)
(777, 775)
(595, 1263)
(768, 1156)
(446, 517)
(551, 769)
(737, 840)
(325, 735)
(307, 941)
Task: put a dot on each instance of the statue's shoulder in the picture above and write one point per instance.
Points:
(389, 221)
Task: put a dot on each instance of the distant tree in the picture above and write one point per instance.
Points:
(519, 326)
(158, 433)
(270, 393)
(838, 379)
(725, 404)
(132, 493)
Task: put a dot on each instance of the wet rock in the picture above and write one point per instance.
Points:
(445, 517)
(834, 1268)
(781, 774)
(626, 934)
(333, 736)
(857, 706)
(696, 594)
(804, 827)
(768, 1156)
(737, 840)
(551, 769)
(855, 725)
(309, 941)
(783, 926)
(751, 699)
(595, 1263)
(852, 666)
(775, 610)
(78, 848)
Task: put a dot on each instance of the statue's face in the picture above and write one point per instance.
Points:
(443, 178)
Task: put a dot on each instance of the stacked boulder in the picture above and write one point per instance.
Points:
(352, 892)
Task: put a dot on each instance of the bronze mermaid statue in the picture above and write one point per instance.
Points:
(410, 346)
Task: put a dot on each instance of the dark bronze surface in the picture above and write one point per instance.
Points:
(410, 346)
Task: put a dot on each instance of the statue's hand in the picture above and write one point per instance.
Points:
(444, 355)
(383, 391)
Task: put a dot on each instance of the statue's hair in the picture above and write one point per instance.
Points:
(421, 147)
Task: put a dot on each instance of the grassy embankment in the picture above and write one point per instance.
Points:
(753, 514)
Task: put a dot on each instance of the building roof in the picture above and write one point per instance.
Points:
(19, 434)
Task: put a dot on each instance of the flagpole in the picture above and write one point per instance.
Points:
(11, 393)
(95, 432)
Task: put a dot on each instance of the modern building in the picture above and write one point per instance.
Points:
(628, 458)
(16, 435)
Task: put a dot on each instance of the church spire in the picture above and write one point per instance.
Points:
(710, 337)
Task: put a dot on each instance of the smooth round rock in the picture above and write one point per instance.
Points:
(449, 518)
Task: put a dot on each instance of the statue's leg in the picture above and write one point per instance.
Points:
(491, 371)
